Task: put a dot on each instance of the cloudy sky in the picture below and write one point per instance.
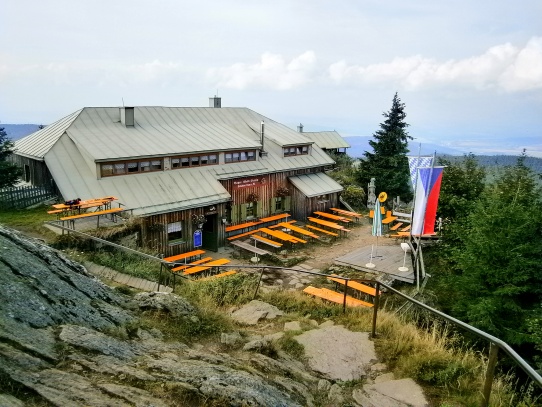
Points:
(469, 72)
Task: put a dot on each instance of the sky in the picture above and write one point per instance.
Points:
(468, 72)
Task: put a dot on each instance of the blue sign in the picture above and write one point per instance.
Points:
(197, 238)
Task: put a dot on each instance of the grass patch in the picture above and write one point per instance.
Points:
(29, 221)
(292, 347)
(295, 302)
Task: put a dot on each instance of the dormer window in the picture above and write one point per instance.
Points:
(295, 150)
(238, 156)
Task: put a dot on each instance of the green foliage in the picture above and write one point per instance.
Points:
(354, 195)
(9, 172)
(388, 162)
(461, 186)
(495, 280)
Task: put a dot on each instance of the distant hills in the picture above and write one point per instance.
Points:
(17, 131)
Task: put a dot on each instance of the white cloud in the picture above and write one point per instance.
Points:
(505, 67)
(272, 72)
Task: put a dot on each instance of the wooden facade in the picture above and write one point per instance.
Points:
(251, 198)
(35, 172)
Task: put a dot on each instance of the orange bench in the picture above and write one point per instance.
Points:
(194, 263)
(266, 241)
(322, 230)
(182, 256)
(87, 215)
(355, 285)
(396, 226)
(229, 239)
(335, 297)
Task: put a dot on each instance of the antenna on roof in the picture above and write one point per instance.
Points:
(122, 101)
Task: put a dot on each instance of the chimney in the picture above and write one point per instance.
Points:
(215, 102)
(262, 134)
(300, 128)
(127, 116)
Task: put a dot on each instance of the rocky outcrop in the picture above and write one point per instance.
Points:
(62, 340)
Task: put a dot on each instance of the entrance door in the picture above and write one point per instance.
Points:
(210, 233)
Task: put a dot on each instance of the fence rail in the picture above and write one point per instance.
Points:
(24, 196)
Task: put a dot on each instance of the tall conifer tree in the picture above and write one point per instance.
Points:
(9, 173)
(388, 162)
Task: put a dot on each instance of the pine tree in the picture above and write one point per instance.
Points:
(9, 173)
(388, 162)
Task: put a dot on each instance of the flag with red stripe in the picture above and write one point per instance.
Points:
(425, 205)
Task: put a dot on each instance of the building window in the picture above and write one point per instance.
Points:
(194, 161)
(251, 209)
(175, 233)
(238, 156)
(132, 167)
(295, 150)
(279, 204)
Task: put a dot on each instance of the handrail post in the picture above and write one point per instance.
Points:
(375, 309)
(493, 351)
(344, 298)
(258, 285)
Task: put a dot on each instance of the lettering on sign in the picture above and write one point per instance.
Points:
(242, 183)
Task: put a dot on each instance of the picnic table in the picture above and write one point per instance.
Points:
(266, 241)
(250, 248)
(331, 225)
(282, 236)
(299, 230)
(355, 215)
(334, 217)
(207, 266)
(184, 256)
(241, 226)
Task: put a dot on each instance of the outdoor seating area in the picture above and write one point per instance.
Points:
(333, 296)
(192, 264)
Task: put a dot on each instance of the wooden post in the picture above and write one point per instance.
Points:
(493, 351)
(375, 309)
(344, 299)
(258, 285)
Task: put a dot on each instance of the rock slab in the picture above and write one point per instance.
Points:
(254, 311)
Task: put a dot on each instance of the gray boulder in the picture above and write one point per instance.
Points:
(254, 311)
(160, 301)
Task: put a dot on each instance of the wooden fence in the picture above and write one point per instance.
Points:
(23, 197)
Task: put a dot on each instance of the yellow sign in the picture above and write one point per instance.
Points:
(382, 196)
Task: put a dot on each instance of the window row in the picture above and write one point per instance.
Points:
(295, 150)
(237, 156)
(194, 161)
(131, 167)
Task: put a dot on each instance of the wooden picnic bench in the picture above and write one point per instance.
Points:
(229, 239)
(281, 224)
(275, 217)
(184, 256)
(250, 248)
(331, 225)
(194, 263)
(335, 297)
(347, 213)
(241, 226)
(396, 226)
(300, 230)
(207, 266)
(327, 232)
(282, 236)
(355, 285)
(72, 218)
(333, 217)
(266, 241)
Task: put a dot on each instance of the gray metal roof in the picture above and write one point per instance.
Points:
(312, 185)
(327, 139)
(37, 144)
(96, 134)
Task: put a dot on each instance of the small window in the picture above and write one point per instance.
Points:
(243, 156)
(175, 163)
(213, 159)
(194, 161)
(251, 209)
(156, 165)
(204, 160)
(145, 166)
(107, 170)
(119, 168)
(132, 167)
(235, 156)
(185, 162)
(228, 157)
(295, 150)
(175, 232)
(251, 156)
(278, 204)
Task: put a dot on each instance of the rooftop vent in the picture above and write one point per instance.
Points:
(215, 102)
(300, 128)
(262, 134)
(127, 116)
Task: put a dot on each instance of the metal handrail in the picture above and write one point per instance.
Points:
(495, 343)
